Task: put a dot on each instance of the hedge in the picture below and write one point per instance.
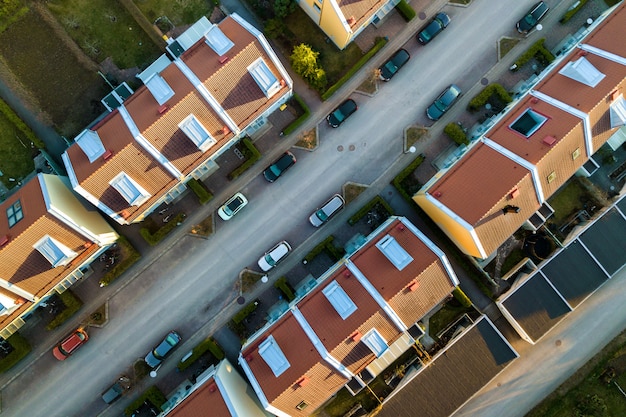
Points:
(207, 344)
(456, 133)
(152, 394)
(296, 123)
(461, 297)
(380, 42)
(21, 348)
(405, 10)
(367, 207)
(574, 8)
(245, 312)
(130, 257)
(155, 238)
(283, 286)
(72, 305)
(536, 50)
(483, 97)
(326, 245)
(19, 123)
(399, 179)
(204, 196)
(252, 155)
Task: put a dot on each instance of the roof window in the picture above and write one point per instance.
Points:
(89, 141)
(198, 134)
(339, 299)
(618, 112)
(129, 189)
(528, 122)
(264, 78)
(219, 42)
(582, 71)
(375, 342)
(273, 356)
(394, 252)
(160, 89)
(54, 251)
(15, 213)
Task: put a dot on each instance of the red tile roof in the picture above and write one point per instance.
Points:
(207, 397)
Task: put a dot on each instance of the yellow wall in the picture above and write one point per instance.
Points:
(328, 20)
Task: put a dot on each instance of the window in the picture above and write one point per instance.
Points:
(198, 134)
(582, 71)
(14, 213)
(273, 356)
(528, 122)
(264, 78)
(301, 406)
(394, 252)
(551, 177)
(90, 143)
(129, 189)
(339, 299)
(576, 153)
(160, 89)
(375, 342)
(218, 41)
(54, 251)
(317, 7)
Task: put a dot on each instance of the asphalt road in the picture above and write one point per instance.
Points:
(194, 281)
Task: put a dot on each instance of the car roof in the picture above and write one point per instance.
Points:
(73, 341)
(334, 203)
(347, 106)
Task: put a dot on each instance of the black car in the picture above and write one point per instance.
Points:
(532, 18)
(445, 100)
(341, 113)
(393, 65)
(115, 391)
(434, 28)
(279, 167)
(159, 353)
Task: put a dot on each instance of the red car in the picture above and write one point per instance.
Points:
(70, 344)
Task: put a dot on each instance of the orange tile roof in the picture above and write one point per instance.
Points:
(360, 10)
(207, 397)
(612, 30)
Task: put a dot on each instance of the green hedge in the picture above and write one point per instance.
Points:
(283, 286)
(380, 42)
(536, 50)
(461, 297)
(367, 207)
(245, 312)
(326, 245)
(207, 345)
(198, 188)
(21, 348)
(398, 181)
(483, 97)
(405, 10)
(152, 394)
(131, 256)
(572, 11)
(252, 155)
(19, 123)
(155, 238)
(456, 133)
(72, 305)
(296, 123)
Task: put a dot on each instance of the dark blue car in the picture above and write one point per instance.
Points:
(434, 28)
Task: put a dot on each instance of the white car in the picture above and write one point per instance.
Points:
(274, 256)
(232, 206)
(328, 210)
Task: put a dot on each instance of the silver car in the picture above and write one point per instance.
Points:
(274, 256)
(232, 206)
(328, 210)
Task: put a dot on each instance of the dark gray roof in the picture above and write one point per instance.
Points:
(606, 239)
(454, 376)
(536, 306)
(622, 204)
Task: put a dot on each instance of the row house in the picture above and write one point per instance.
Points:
(355, 320)
(217, 84)
(505, 179)
(48, 238)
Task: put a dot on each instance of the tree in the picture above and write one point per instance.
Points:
(282, 8)
(274, 28)
(304, 62)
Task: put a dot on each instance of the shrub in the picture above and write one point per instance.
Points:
(245, 312)
(536, 50)
(483, 97)
(274, 28)
(21, 348)
(405, 10)
(72, 305)
(204, 196)
(304, 63)
(399, 180)
(206, 345)
(326, 245)
(156, 237)
(252, 155)
(283, 286)
(19, 123)
(296, 123)
(460, 296)
(367, 207)
(130, 256)
(152, 394)
(456, 133)
(574, 8)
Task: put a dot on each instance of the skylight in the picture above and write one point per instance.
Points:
(263, 76)
(219, 42)
(15, 213)
(394, 252)
(89, 141)
(339, 299)
(618, 112)
(198, 134)
(582, 71)
(528, 122)
(54, 251)
(160, 89)
(129, 189)
(375, 342)
(273, 356)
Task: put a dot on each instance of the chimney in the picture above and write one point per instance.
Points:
(549, 140)
(106, 155)
(4, 240)
(223, 59)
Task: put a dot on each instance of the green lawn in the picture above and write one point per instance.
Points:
(17, 155)
(445, 316)
(566, 201)
(179, 12)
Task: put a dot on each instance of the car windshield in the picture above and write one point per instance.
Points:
(321, 215)
(530, 20)
(270, 260)
(274, 169)
(391, 67)
(233, 205)
(439, 104)
(338, 115)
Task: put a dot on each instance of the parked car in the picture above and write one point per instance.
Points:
(163, 349)
(115, 391)
(445, 100)
(70, 344)
(328, 210)
(232, 206)
(532, 18)
(274, 256)
(279, 167)
(434, 28)
(341, 113)
(393, 64)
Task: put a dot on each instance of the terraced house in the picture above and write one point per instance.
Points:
(48, 238)
(218, 84)
(550, 134)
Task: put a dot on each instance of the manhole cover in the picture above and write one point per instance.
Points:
(558, 342)
(241, 300)
(484, 81)
(340, 148)
(422, 15)
(352, 147)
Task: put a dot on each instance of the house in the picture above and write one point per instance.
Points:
(218, 85)
(48, 238)
(342, 20)
(361, 315)
(219, 389)
(551, 133)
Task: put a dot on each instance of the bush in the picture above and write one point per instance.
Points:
(405, 10)
(574, 8)
(460, 296)
(156, 237)
(536, 50)
(19, 123)
(206, 345)
(72, 305)
(326, 245)
(152, 394)
(245, 312)
(483, 97)
(367, 207)
(296, 123)
(21, 348)
(204, 196)
(399, 182)
(130, 255)
(252, 155)
(380, 42)
(283, 286)
(456, 133)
